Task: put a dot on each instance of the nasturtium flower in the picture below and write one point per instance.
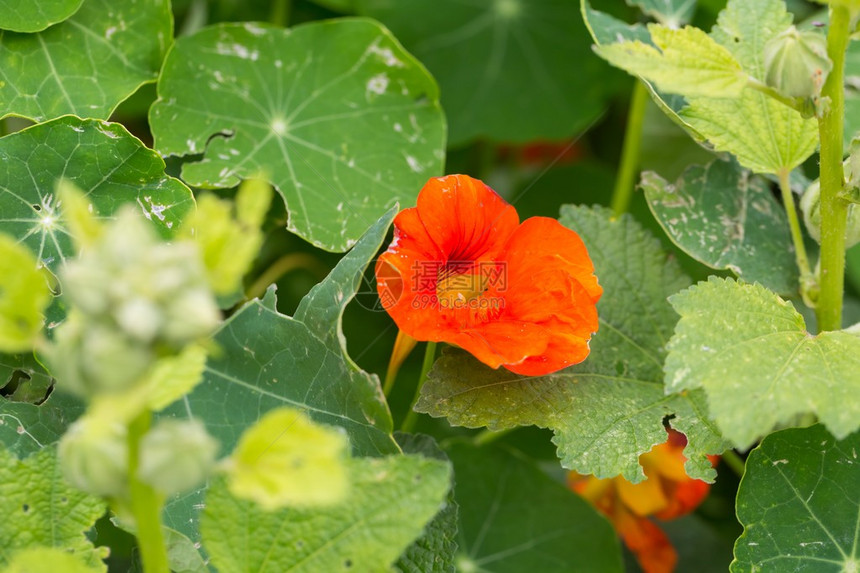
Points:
(666, 493)
(462, 269)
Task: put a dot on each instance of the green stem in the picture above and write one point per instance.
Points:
(793, 103)
(834, 209)
(485, 437)
(807, 280)
(146, 503)
(734, 461)
(626, 181)
(284, 265)
(411, 416)
(280, 13)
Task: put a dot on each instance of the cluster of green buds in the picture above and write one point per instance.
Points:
(796, 63)
(135, 298)
(138, 306)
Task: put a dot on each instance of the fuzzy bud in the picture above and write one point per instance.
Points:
(94, 456)
(176, 456)
(810, 204)
(796, 63)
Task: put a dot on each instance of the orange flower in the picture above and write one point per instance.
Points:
(666, 493)
(463, 270)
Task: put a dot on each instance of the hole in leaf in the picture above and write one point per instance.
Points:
(347, 564)
(25, 508)
(17, 378)
(37, 207)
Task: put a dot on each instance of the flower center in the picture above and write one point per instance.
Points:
(461, 287)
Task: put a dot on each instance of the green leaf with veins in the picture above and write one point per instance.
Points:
(686, 61)
(435, 550)
(515, 518)
(509, 70)
(109, 164)
(265, 360)
(40, 509)
(606, 29)
(336, 114)
(800, 505)
(48, 560)
(765, 135)
(608, 410)
(87, 64)
(760, 368)
(727, 219)
(27, 428)
(32, 380)
(390, 501)
(671, 13)
(28, 16)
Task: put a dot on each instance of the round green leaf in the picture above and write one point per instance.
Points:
(30, 16)
(86, 65)
(335, 114)
(110, 165)
(515, 518)
(511, 70)
(798, 503)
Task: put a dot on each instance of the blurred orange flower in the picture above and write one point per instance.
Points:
(666, 493)
(462, 269)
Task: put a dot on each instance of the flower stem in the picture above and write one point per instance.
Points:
(807, 280)
(403, 346)
(411, 416)
(286, 264)
(793, 103)
(624, 184)
(834, 209)
(280, 15)
(486, 436)
(734, 461)
(146, 503)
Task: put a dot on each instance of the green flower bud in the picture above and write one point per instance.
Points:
(150, 291)
(810, 204)
(93, 456)
(176, 455)
(90, 357)
(796, 63)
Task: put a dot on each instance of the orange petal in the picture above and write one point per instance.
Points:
(649, 544)
(543, 286)
(684, 498)
(643, 498)
(541, 243)
(502, 342)
(466, 220)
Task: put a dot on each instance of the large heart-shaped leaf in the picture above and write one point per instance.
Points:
(727, 219)
(515, 518)
(29, 16)
(608, 410)
(110, 165)
(750, 351)
(265, 360)
(337, 115)
(87, 64)
(800, 505)
(509, 70)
